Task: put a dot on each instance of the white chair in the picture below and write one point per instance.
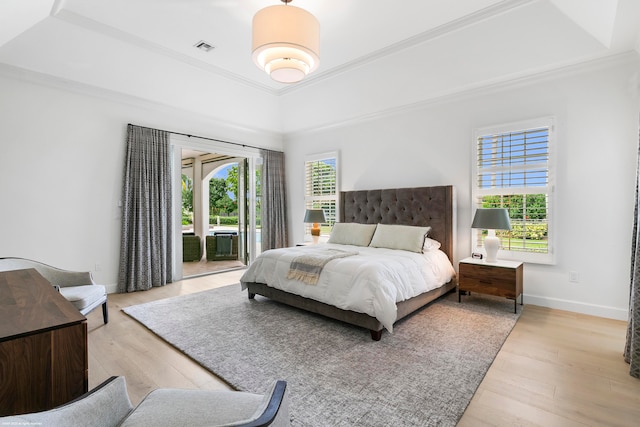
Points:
(108, 405)
(77, 287)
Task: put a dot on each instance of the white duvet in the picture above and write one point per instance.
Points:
(371, 282)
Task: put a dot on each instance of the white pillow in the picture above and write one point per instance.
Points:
(352, 233)
(430, 245)
(405, 237)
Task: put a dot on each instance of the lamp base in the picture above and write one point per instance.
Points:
(491, 245)
(315, 233)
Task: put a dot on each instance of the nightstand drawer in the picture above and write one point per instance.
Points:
(490, 279)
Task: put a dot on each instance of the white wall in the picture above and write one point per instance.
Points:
(61, 167)
(62, 152)
(596, 110)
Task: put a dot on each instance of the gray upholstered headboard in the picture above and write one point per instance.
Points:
(421, 206)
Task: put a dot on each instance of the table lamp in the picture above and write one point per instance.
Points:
(491, 220)
(316, 217)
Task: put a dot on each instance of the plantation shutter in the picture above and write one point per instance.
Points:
(513, 171)
(321, 186)
(514, 160)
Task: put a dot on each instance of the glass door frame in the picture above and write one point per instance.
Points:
(252, 156)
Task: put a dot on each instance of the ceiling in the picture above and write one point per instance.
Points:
(120, 45)
(190, 154)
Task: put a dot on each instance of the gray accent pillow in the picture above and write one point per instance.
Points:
(404, 237)
(352, 233)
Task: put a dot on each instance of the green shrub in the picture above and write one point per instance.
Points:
(532, 231)
(224, 220)
(187, 218)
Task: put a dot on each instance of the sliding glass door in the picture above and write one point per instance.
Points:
(224, 180)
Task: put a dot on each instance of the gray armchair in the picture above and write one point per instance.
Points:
(77, 287)
(108, 405)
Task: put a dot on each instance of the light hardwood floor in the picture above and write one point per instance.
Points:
(556, 368)
(202, 267)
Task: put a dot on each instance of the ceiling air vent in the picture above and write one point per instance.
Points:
(203, 45)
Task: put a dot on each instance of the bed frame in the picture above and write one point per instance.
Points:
(422, 206)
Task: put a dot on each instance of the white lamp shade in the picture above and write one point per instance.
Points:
(286, 42)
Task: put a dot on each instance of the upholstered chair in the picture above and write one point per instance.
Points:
(77, 287)
(108, 405)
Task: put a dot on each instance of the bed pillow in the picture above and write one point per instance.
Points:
(352, 233)
(405, 237)
(430, 245)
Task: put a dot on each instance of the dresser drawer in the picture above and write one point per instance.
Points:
(490, 279)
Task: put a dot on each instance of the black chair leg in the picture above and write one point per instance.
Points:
(105, 313)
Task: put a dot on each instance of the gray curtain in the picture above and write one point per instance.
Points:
(145, 247)
(274, 201)
(632, 346)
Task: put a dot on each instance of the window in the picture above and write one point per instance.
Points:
(321, 187)
(513, 170)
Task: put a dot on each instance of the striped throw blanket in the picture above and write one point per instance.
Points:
(307, 268)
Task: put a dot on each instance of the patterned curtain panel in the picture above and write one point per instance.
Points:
(274, 201)
(632, 347)
(145, 248)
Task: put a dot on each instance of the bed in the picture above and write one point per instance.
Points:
(432, 207)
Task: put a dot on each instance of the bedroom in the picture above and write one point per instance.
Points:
(62, 134)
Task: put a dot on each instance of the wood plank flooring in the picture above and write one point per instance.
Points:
(556, 368)
(202, 267)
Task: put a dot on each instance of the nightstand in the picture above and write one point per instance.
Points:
(501, 278)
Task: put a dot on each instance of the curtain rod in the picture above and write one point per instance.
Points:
(204, 137)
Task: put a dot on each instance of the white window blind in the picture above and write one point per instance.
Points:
(321, 187)
(513, 170)
(514, 160)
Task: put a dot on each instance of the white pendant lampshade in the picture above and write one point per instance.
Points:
(286, 42)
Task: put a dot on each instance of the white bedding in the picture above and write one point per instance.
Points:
(371, 282)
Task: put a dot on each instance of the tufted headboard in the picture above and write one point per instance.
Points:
(421, 206)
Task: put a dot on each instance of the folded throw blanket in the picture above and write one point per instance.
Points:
(307, 268)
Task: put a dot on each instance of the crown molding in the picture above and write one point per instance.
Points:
(487, 87)
(460, 23)
(504, 6)
(54, 82)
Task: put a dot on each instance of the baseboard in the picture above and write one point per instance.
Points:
(578, 307)
(112, 288)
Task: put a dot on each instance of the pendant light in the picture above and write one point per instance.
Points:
(286, 42)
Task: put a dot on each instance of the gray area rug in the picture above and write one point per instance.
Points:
(424, 374)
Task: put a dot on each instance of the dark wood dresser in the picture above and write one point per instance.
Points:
(43, 345)
(501, 278)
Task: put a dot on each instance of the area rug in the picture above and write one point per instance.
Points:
(424, 374)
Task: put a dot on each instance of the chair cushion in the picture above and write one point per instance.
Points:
(196, 408)
(83, 296)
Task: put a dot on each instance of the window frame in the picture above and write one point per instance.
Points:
(308, 200)
(477, 192)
